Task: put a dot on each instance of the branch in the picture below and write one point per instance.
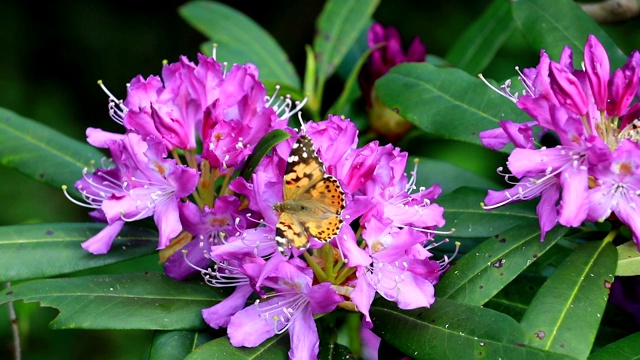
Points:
(609, 11)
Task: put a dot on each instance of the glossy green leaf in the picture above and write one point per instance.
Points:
(565, 314)
(625, 349)
(478, 275)
(275, 347)
(240, 40)
(514, 299)
(42, 250)
(338, 27)
(450, 177)
(477, 46)
(445, 102)
(628, 259)
(169, 345)
(553, 24)
(334, 351)
(265, 144)
(42, 153)
(150, 301)
(452, 330)
(464, 213)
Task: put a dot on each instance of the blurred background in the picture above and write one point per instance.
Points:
(53, 55)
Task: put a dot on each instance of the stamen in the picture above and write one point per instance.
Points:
(223, 275)
(528, 86)
(444, 262)
(117, 110)
(214, 51)
(91, 206)
(504, 89)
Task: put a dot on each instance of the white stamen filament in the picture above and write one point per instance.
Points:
(223, 275)
(117, 110)
(289, 307)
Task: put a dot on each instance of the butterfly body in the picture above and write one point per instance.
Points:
(312, 200)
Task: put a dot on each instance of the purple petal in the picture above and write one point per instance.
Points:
(567, 89)
(370, 342)
(167, 219)
(573, 206)
(363, 293)
(623, 86)
(355, 255)
(596, 63)
(220, 314)
(533, 162)
(547, 210)
(303, 334)
(176, 266)
(100, 138)
(323, 299)
(629, 213)
(248, 327)
(101, 242)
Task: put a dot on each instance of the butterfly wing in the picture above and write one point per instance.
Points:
(328, 204)
(313, 200)
(290, 232)
(304, 169)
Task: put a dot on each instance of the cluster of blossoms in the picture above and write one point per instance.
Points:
(386, 52)
(187, 136)
(595, 169)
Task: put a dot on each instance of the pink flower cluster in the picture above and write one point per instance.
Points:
(593, 174)
(187, 136)
(191, 106)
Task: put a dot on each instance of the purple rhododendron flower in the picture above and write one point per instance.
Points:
(592, 172)
(143, 183)
(188, 134)
(398, 225)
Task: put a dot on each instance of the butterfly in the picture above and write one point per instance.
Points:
(631, 131)
(313, 200)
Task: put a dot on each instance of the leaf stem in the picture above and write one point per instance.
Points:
(17, 353)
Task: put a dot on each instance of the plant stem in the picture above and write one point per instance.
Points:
(17, 353)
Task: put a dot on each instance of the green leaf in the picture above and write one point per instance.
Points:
(477, 46)
(553, 24)
(240, 40)
(625, 349)
(464, 213)
(149, 301)
(265, 144)
(45, 250)
(565, 314)
(42, 153)
(169, 345)
(447, 175)
(628, 259)
(446, 102)
(351, 90)
(334, 351)
(338, 27)
(451, 330)
(514, 299)
(480, 274)
(275, 347)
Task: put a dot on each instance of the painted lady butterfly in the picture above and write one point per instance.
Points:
(313, 200)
